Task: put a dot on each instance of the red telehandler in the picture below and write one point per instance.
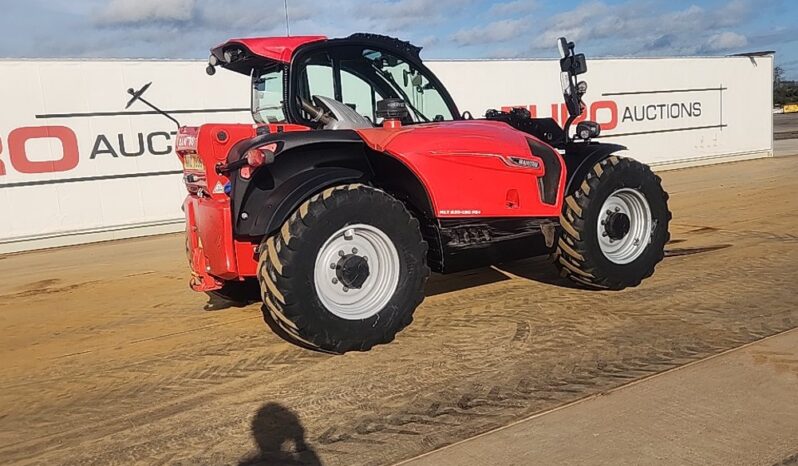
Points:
(360, 175)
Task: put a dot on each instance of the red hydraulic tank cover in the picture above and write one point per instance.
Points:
(274, 48)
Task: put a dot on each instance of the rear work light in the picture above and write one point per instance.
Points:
(256, 157)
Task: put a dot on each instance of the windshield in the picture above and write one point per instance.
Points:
(267, 95)
(422, 98)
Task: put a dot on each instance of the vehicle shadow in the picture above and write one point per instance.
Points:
(538, 268)
(216, 303)
(280, 437)
(244, 294)
(439, 283)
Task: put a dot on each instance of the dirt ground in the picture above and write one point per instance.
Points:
(108, 357)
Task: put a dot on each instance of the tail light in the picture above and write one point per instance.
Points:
(256, 157)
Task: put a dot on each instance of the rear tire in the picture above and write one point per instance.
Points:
(614, 226)
(345, 272)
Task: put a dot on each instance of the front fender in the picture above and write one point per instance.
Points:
(580, 158)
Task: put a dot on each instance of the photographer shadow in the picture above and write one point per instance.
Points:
(280, 437)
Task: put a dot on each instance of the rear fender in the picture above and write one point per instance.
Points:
(580, 158)
(268, 210)
(308, 163)
(263, 203)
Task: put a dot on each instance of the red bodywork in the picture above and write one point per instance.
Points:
(279, 49)
(466, 169)
(464, 166)
(213, 253)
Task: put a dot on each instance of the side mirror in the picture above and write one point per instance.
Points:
(571, 65)
(574, 64)
(562, 47)
(137, 94)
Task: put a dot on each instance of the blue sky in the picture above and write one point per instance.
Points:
(446, 28)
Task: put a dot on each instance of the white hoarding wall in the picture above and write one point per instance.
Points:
(75, 166)
(666, 111)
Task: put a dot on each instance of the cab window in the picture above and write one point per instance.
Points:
(267, 95)
(360, 77)
(359, 94)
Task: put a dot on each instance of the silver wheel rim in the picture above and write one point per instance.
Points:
(624, 248)
(366, 243)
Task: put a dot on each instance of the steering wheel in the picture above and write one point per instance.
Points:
(318, 113)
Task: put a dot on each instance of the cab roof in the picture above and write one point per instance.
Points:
(241, 55)
(279, 49)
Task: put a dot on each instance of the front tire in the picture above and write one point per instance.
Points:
(614, 226)
(345, 272)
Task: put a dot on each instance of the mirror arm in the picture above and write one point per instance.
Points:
(160, 111)
(567, 127)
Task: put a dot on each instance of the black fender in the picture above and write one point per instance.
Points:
(580, 158)
(270, 214)
(305, 164)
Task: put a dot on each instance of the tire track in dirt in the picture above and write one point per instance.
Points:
(475, 358)
(516, 390)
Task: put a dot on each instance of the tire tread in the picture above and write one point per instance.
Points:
(571, 250)
(278, 250)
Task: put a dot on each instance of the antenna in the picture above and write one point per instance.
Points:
(287, 28)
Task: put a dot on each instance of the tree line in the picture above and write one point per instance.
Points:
(784, 91)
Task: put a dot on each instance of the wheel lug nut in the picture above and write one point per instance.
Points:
(341, 253)
(617, 209)
(334, 280)
(603, 233)
(346, 289)
(354, 250)
(332, 265)
(365, 258)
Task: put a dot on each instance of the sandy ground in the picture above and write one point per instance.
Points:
(737, 408)
(108, 358)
